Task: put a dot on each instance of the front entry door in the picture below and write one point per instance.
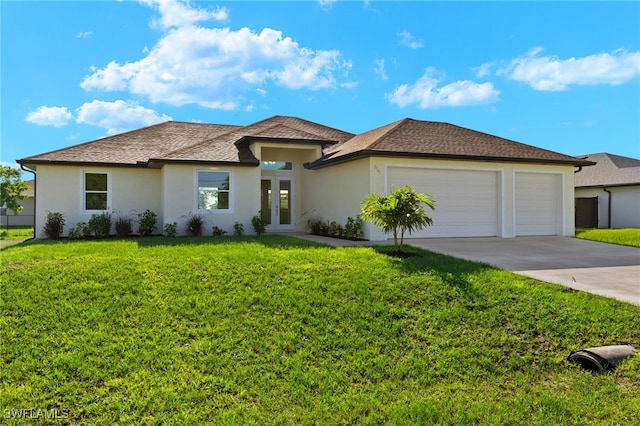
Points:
(276, 202)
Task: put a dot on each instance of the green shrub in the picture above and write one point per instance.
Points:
(54, 225)
(100, 224)
(195, 224)
(147, 223)
(259, 223)
(81, 230)
(314, 225)
(354, 228)
(238, 229)
(218, 232)
(171, 229)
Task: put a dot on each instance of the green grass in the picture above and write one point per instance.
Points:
(276, 330)
(16, 233)
(625, 237)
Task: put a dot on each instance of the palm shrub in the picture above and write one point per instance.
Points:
(401, 211)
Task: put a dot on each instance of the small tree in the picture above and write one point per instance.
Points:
(401, 211)
(12, 189)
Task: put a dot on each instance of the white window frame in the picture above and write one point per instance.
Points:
(83, 200)
(231, 192)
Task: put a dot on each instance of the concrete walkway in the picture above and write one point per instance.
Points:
(604, 269)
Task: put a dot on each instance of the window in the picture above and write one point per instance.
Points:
(96, 191)
(213, 190)
(276, 165)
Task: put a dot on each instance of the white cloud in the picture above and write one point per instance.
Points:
(379, 69)
(553, 74)
(118, 116)
(50, 116)
(326, 4)
(427, 94)
(84, 34)
(216, 67)
(407, 39)
(483, 70)
(175, 13)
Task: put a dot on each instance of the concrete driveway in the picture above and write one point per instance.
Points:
(605, 269)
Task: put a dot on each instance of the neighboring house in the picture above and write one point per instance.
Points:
(293, 170)
(608, 194)
(25, 217)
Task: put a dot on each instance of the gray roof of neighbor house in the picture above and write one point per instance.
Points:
(610, 170)
(213, 143)
(416, 138)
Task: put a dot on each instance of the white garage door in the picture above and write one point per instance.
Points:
(467, 200)
(537, 204)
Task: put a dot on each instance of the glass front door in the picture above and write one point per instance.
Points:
(276, 202)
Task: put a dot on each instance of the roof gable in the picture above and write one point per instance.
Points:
(610, 170)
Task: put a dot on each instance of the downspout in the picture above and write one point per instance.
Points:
(604, 188)
(35, 199)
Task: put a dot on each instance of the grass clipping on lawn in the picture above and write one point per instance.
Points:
(279, 330)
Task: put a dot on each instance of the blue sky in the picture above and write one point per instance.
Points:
(564, 76)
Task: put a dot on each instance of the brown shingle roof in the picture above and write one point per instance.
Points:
(135, 146)
(410, 137)
(198, 142)
(610, 170)
(180, 141)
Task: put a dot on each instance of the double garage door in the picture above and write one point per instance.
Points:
(469, 201)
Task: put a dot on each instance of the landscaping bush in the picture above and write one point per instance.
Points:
(123, 226)
(81, 230)
(354, 228)
(195, 224)
(218, 232)
(54, 225)
(259, 223)
(238, 229)
(147, 223)
(171, 229)
(100, 224)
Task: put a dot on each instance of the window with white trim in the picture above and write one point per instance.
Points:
(214, 190)
(96, 191)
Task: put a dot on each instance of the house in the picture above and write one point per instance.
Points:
(25, 217)
(608, 194)
(293, 169)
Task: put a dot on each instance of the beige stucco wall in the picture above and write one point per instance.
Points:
(179, 197)
(625, 205)
(59, 189)
(335, 193)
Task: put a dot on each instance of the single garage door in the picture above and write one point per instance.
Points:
(537, 204)
(467, 200)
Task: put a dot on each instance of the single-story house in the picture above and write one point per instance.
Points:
(293, 169)
(24, 217)
(608, 194)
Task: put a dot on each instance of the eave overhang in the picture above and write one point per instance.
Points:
(321, 163)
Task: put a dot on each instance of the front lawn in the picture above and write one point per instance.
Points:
(276, 330)
(625, 237)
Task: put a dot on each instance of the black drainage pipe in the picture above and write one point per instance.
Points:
(601, 358)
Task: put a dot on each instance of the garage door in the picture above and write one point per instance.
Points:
(537, 204)
(467, 200)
